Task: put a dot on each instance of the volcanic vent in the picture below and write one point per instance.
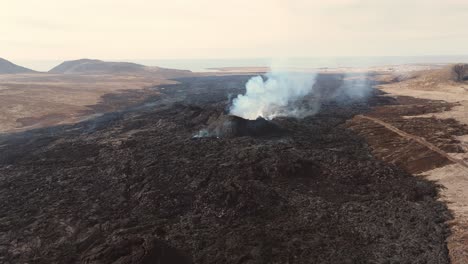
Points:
(229, 126)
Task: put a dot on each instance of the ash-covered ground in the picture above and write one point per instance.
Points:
(136, 187)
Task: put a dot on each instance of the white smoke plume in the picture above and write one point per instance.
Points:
(298, 94)
(273, 96)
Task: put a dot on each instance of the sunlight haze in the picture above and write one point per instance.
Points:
(138, 29)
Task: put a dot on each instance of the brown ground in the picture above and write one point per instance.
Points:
(425, 131)
(36, 100)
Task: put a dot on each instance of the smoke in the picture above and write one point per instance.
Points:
(297, 94)
(356, 87)
(273, 96)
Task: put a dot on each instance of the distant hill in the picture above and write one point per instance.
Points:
(433, 77)
(88, 66)
(7, 67)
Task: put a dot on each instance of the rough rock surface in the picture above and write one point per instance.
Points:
(235, 126)
(134, 187)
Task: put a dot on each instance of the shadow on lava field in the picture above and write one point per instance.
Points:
(134, 187)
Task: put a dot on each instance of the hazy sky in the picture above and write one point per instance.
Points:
(165, 29)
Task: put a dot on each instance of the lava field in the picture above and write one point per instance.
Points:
(135, 186)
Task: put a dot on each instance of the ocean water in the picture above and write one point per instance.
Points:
(311, 62)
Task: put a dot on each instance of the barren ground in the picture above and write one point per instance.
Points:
(36, 100)
(427, 135)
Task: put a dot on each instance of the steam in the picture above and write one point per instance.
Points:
(297, 94)
(356, 87)
(273, 96)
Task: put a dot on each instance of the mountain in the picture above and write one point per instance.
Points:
(89, 66)
(7, 67)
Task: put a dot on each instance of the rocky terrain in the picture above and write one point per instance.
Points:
(136, 186)
(7, 67)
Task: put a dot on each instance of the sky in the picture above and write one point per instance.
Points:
(195, 29)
